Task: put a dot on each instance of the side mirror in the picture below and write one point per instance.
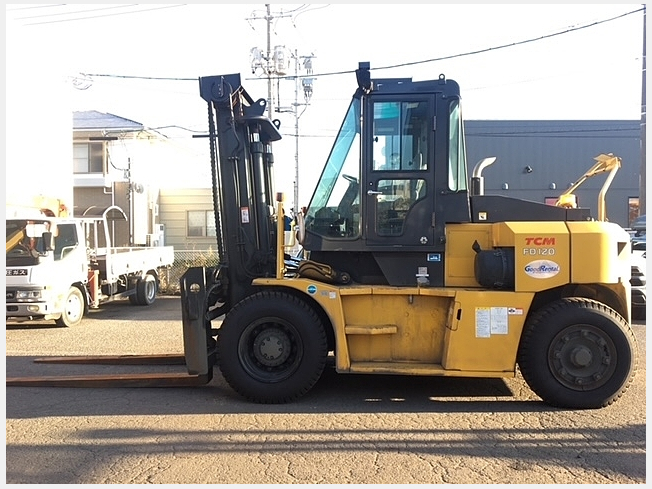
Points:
(48, 241)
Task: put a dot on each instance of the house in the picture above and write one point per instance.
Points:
(188, 217)
(117, 161)
(112, 161)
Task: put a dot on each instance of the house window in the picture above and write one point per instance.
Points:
(201, 224)
(88, 157)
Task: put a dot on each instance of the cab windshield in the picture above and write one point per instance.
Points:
(31, 241)
(25, 240)
(334, 208)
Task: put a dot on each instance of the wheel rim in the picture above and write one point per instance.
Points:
(270, 350)
(73, 308)
(150, 289)
(582, 357)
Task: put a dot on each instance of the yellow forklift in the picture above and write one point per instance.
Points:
(406, 266)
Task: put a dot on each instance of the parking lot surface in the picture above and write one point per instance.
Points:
(350, 429)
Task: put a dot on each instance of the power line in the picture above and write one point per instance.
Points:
(32, 7)
(73, 12)
(91, 11)
(486, 50)
(400, 65)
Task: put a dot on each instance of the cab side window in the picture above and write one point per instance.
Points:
(400, 147)
(65, 240)
(400, 138)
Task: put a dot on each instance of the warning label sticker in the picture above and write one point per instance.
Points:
(491, 320)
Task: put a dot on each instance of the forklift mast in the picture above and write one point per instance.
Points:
(243, 185)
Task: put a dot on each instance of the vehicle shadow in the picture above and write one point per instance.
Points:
(334, 393)
(32, 325)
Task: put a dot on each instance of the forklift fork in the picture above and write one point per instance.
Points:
(116, 380)
(198, 358)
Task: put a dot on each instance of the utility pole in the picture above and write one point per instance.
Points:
(268, 58)
(130, 199)
(271, 62)
(307, 95)
(275, 63)
(296, 133)
(307, 84)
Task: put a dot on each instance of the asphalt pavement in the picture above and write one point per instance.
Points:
(350, 429)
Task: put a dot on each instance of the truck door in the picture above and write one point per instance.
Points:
(399, 171)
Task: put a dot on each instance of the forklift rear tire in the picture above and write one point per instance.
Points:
(73, 309)
(272, 347)
(578, 353)
(146, 290)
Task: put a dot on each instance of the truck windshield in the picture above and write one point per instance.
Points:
(337, 195)
(25, 240)
(29, 241)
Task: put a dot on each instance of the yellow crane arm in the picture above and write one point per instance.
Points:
(604, 163)
(15, 238)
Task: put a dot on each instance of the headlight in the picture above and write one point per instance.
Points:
(28, 295)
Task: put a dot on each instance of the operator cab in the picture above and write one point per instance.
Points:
(395, 175)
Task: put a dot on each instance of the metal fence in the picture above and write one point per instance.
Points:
(183, 260)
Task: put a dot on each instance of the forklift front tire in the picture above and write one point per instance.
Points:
(272, 347)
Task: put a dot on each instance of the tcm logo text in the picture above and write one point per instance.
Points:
(539, 241)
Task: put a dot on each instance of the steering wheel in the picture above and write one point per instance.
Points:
(349, 178)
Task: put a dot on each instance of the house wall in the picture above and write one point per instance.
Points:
(93, 200)
(128, 181)
(174, 205)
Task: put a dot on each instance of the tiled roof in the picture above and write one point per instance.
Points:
(94, 120)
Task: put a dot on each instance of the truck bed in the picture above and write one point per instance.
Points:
(116, 261)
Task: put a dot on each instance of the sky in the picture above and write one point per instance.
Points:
(142, 61)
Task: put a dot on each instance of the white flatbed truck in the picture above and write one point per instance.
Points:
(58, 268)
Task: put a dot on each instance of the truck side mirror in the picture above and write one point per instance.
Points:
(48, 241)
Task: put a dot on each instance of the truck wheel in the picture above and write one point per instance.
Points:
(578, 353)
(73, 311)
(272, 347)
(146, 290)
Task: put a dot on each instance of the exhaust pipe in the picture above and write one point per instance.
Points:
(477, 180)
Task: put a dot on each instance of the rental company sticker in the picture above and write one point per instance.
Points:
(312, 289)
(542, 269)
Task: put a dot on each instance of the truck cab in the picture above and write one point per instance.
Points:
(46, 256)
